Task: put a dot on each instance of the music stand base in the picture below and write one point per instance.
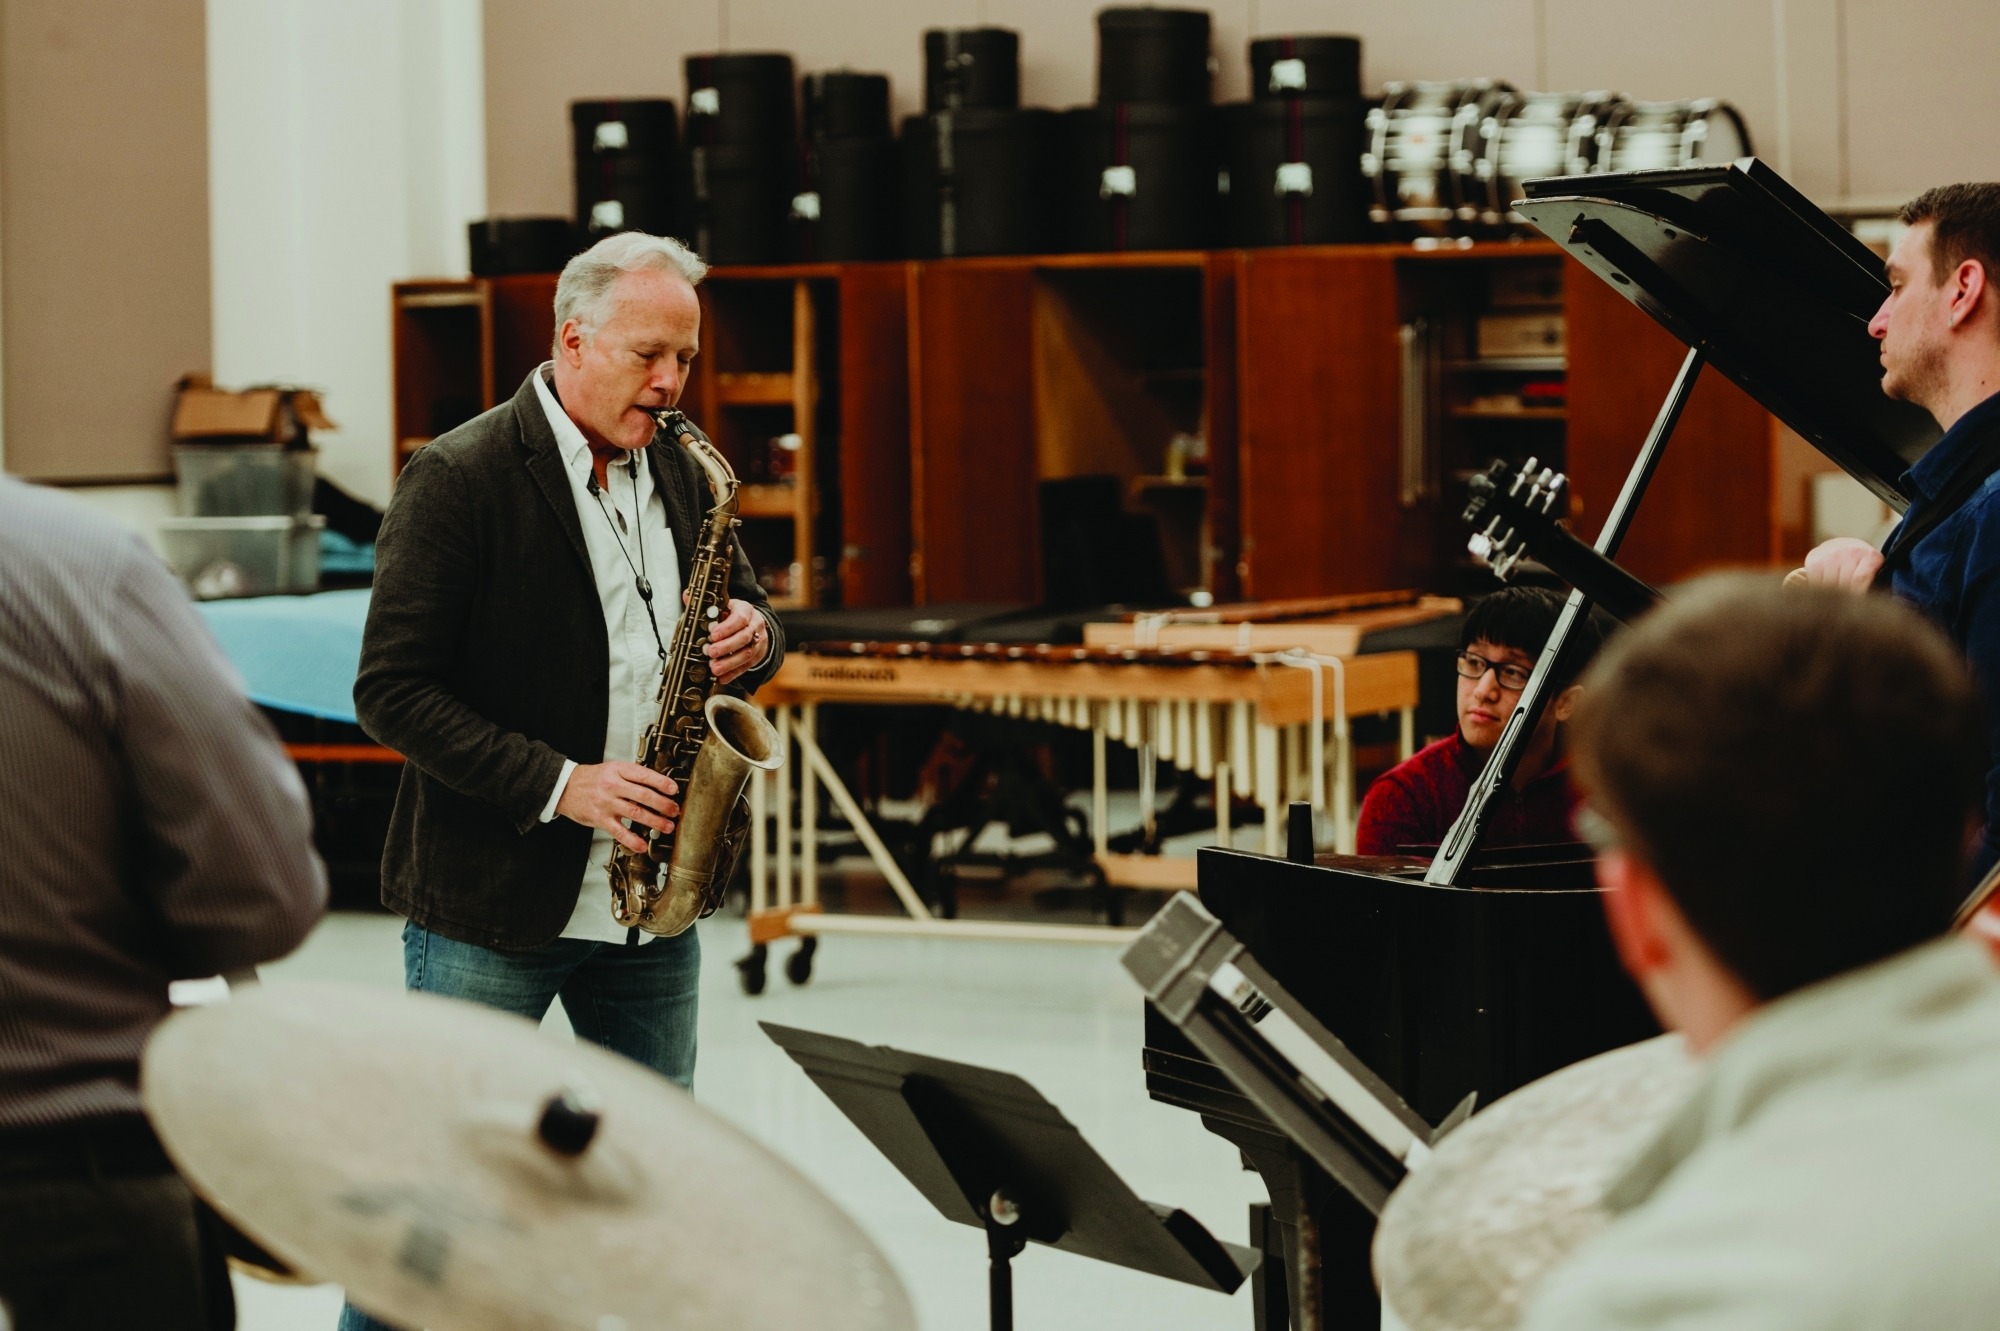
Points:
(1003, 1244)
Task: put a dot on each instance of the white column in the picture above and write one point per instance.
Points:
(346, 152)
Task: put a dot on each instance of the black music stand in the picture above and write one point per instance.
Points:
(989, 1151)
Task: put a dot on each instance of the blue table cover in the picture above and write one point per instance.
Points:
(295, 653)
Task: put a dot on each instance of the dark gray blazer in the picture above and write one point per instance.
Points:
(485, 663)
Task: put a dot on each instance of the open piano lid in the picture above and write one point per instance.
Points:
(1734, 261)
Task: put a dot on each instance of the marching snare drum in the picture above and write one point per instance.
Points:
(1410, 138)
(1645, 136)
(1526, 136)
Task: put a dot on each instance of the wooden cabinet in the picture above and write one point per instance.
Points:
(1115, 372)
(811, 356)
(972, 432)
(1317, 378)
(873, 459)
(1291, 422)
(757, 391)
(1375, 380)
(463, 347)
(1710, 503)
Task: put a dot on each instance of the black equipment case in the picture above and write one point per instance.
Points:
(849, 211)
(844, 104)
(628, 167)
(1293, 167)
(741, 201)
(743, 157)
(1146, 54)
(1140, 176)
(971, 67)
(502, 245)
(975, 181)
(1305, 66)
(740, 98)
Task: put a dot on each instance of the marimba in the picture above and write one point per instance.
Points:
(1268, 726)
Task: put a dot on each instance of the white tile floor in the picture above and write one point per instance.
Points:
(1065, 1017)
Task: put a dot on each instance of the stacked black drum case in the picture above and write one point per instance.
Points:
(1292, 154)
(975, 163)
(847, 208)
(1140, 166)
(628, 170)
(498, 246)
(742, 156)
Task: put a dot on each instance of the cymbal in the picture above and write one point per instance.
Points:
(455, 1168)
(1465, 1240)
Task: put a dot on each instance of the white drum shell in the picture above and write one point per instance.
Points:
(1413, 146)
(1650, 136)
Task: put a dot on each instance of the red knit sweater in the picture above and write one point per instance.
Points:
(1416, 802)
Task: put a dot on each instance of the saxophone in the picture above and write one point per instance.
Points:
(708, 742)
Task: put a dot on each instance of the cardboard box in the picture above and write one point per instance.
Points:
(273, 414)
(1543, 334)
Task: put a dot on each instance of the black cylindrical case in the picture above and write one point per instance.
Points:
(1146, 54)
(971, 67)
(630, 194)
(502, 245)
(740, 202)
(740, 98)
(841, 104)
(639, 127)
(976, 181)
(626, 154)
(850, 209)
(1294, 171)
(1139, 176)
(1311, 65)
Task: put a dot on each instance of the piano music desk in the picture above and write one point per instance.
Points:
(1272, 727)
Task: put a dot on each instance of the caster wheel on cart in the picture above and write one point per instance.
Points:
(750, 970)
(799, 966)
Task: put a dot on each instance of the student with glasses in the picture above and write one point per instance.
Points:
(1412, 806)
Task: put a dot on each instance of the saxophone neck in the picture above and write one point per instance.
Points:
(721, 476)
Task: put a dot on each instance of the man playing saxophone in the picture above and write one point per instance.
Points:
(528, 580)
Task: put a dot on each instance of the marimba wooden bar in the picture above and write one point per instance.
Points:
(1268, 726)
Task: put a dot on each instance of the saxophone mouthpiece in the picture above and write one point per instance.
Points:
(670, 419)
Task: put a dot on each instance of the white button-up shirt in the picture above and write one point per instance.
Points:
(625, 521)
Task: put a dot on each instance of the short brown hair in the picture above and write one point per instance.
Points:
(1798, 767)
(1965, 224)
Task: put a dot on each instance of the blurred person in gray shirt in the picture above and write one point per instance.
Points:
(1782, 788)
(151, 829)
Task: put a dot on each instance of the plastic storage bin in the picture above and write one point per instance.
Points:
(244, 480)
(244, 556)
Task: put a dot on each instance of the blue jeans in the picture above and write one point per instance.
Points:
(635, 1001)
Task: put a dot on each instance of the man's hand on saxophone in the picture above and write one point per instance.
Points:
(607, 795)
(738, 641)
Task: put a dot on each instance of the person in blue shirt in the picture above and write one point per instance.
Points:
(1940, 336)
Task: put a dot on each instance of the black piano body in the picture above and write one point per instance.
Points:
(1481, 971)
(1442, 990)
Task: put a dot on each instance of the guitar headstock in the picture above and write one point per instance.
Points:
(1513, 509)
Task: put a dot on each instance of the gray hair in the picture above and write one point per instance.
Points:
(588, 278)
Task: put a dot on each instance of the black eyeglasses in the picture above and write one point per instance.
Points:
(1513, 678)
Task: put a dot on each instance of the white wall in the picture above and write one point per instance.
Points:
(346, 151)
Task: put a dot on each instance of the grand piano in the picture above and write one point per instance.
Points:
(1479, 971)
